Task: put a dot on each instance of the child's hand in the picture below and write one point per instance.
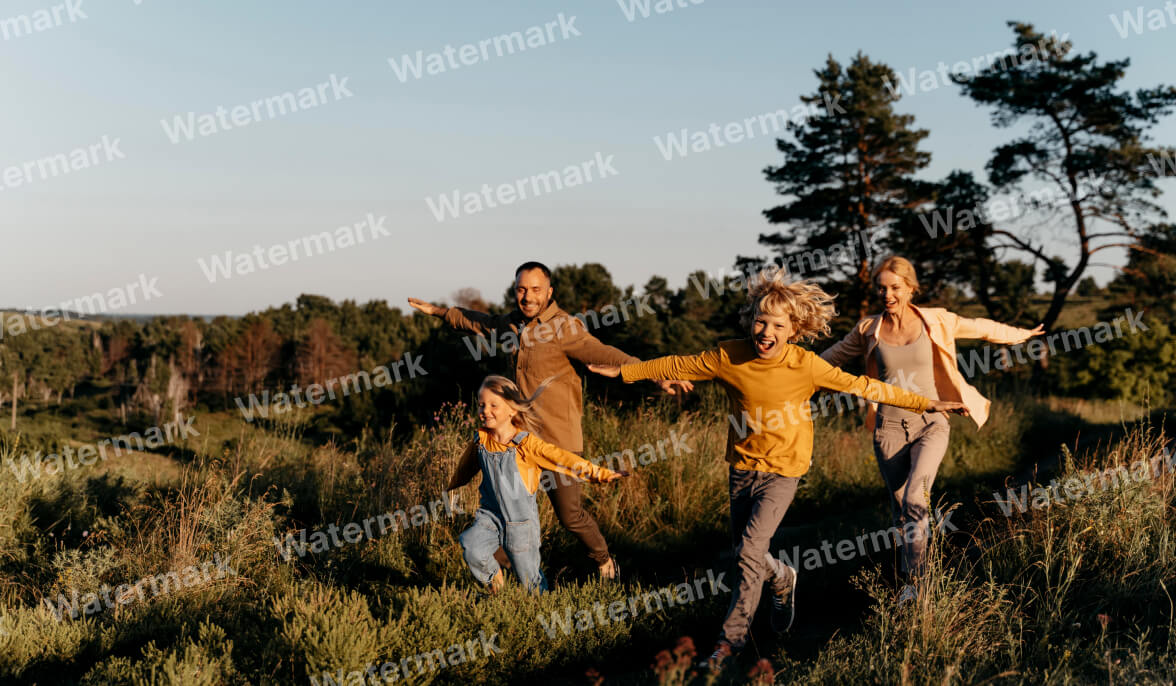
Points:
(615, 476)
(612, 371)
(947, 406)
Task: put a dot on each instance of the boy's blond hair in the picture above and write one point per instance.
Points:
(804, 302)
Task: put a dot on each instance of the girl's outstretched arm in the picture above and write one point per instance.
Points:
(555, 459)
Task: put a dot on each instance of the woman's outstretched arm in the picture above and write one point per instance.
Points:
(993, 332)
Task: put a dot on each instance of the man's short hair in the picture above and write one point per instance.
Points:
(528, 266)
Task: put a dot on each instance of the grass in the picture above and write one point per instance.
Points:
(1017, 599)
(1075, 593)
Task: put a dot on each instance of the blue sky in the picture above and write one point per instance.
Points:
(125, 67)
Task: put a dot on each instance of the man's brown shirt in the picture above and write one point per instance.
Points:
(542, 348)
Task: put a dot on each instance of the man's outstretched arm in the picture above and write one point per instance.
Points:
(584, 347)
(462, 319)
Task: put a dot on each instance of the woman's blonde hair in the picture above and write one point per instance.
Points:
(527, 416)
(808, 306)
(900, 267)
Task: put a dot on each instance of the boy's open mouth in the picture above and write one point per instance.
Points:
(765, 344)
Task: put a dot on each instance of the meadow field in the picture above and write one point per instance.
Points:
(261, 591)
(239, 363)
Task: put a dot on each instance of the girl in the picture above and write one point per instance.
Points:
(511, 458)
(769, 381)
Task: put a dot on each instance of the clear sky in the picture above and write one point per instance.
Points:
(124, 67)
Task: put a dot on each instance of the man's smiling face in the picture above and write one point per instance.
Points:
(532, 292)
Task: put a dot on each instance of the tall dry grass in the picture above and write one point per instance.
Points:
(1077, 593)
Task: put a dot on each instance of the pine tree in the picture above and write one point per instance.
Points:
(848, 176)
(1085, 142)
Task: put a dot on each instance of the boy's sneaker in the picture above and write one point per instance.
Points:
(784, 603)
(907, 595)
(611, 570)
(722, 651)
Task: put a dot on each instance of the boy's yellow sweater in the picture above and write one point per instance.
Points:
(771, 419)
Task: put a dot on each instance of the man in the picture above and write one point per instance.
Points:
(548, 340)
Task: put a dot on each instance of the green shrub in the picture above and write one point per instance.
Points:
(325, 629)
(203, 661)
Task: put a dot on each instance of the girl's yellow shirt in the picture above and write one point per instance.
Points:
(533, 455)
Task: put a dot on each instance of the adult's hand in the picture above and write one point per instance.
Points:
(675, 387)
(1035, 331)
(427, 308)
(612, 371)
(947, 406)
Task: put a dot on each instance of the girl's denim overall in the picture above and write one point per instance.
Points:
(507, 516)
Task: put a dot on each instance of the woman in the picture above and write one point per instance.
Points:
(914, 348)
